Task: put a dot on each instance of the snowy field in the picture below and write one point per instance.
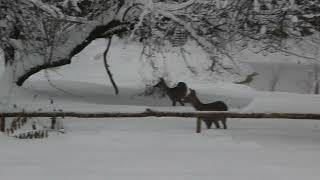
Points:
(167, 148)
(158, 148)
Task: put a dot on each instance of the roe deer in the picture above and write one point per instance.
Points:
(176, 93)
(215, 106)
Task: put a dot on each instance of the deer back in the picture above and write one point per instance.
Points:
(177, 92)
(193, 99)
(214, 106)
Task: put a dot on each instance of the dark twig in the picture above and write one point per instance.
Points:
(106, 66)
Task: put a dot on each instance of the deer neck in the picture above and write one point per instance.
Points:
(196, 103)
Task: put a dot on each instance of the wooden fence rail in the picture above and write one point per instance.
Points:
(150, 112)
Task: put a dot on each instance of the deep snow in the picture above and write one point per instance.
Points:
(166, 148)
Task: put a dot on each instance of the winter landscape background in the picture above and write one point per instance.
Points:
(160, 148)
(256, 56)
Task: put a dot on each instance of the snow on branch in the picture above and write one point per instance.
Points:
(52, 10)
(207, 45)
(55, 12)
(174, 7)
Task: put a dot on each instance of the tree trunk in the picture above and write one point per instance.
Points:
(275, 76)
(316, 87)
(316, 79)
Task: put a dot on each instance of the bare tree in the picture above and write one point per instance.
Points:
(40, 34)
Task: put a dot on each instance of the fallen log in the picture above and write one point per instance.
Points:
(155, 113)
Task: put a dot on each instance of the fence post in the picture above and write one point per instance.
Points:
(198, 125)
(2, 124)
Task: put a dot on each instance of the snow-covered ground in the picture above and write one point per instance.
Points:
(167, 148)
(157, 148)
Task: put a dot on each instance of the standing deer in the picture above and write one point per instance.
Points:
(215, 106)
(176, 93)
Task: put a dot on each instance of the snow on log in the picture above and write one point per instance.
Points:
(149, 113)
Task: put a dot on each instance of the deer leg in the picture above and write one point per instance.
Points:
(216, 123)
(208, 123)
(174, 103)
(224, 123)
(198, 130)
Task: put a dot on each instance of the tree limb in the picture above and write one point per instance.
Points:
(106, 66)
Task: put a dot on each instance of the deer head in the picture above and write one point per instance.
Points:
(190, 97)
(161, 83)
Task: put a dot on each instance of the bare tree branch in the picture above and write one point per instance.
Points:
(106, 66)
